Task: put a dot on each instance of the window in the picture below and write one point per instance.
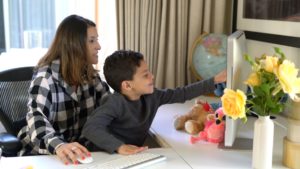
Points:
(30, 23)
(27, 27)
(2, 37)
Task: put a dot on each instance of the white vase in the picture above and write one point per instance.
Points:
(263, 143)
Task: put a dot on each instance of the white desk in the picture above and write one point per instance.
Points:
(179, 151)
(204, 154)
(52, 162)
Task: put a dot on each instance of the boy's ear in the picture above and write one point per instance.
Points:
(125, 85)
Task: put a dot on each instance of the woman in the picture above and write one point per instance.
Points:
(64, 91)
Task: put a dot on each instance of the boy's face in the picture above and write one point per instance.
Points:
(142, 82)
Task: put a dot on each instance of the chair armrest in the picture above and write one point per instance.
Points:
(9, 144)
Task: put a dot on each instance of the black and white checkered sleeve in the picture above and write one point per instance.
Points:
(41, 131)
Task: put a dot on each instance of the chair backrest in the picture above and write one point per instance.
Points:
(14, 85)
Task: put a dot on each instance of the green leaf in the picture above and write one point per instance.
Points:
(244, 119)
(278, 109)
(249, 60)
(270, 103)
(257, 101)
(258, 109)
(265, 88)
(258, 91)
(278, 51)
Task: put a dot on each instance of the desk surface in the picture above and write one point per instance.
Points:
(52, 162)
(179, 151)
(208, 155)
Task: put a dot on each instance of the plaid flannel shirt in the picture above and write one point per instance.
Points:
(56, 113)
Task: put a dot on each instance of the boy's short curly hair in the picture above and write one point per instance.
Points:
(121, 66)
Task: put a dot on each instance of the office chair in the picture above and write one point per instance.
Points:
(14, 85)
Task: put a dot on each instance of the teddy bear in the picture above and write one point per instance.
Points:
(214, 128)
(193, 121)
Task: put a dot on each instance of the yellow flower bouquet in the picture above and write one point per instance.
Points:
(272, 78)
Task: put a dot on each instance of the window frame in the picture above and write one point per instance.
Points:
(256, 33)
(2, 30)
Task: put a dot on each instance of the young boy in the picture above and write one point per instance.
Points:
(121, 124)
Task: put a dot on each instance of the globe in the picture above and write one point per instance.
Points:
(209, 56)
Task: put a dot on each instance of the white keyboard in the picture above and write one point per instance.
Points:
(130, 161)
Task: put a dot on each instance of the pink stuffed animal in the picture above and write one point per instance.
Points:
(214, 128)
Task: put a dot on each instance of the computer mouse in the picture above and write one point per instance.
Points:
(86, 160)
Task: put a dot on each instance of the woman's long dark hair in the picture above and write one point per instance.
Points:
(70, 47)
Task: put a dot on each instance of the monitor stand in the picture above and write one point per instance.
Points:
(239, 144)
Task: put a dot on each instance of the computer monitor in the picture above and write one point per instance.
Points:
(237, 73)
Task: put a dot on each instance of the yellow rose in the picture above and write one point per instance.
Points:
(233, 103)
(287, 75)
(270, 64)
(253, 80)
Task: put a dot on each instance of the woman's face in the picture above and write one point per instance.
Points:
(92, 45)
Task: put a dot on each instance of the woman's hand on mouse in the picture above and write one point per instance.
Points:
(69, 152)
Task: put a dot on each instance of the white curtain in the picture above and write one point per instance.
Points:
(164, 31)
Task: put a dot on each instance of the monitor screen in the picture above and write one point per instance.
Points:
(237, 73)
